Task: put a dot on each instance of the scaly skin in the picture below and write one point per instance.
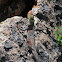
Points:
(31, 19)
(31, 39)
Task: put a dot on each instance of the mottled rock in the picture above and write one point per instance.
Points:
(11, 38)
(15, 35)
(7, 44)
(44, 31)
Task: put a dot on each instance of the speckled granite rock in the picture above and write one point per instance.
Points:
(14, 45)
(12, 39)
(45, 22)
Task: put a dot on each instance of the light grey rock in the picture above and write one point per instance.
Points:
(46, 7)
(8, 44)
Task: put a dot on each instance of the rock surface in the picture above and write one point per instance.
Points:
(14, 45)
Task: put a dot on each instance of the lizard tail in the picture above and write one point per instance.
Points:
(30, 42)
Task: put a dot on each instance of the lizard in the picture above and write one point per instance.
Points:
(32, 20)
